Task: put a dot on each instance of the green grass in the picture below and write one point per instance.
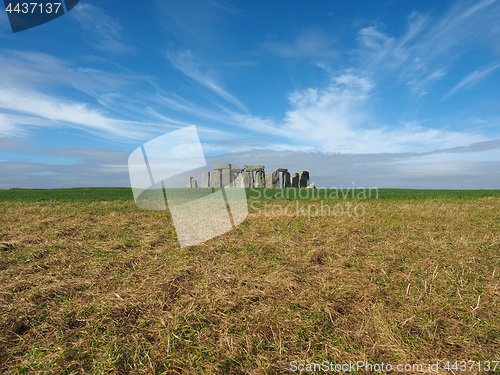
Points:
(74, 194)
(117, 193)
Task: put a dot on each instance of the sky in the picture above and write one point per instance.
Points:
(394, 94)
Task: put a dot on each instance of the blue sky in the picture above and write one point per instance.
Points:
(387, 94)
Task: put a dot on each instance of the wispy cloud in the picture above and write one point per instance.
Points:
(429, 45)
(185, 63)
(472, 78)
(36, 70)
(8, 127)
(308, 44)
(420, 85)
(34, 93)
(226, 6)
(104, 32)
(56, 111)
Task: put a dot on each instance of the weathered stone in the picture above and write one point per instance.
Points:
(275, 179)
(253, 168)
(269, 181)
(192, 183)
(286, 179)
(205, 179)
(235, 172)
(303, 179)
(227, 176)
(247, 179)
(217, 178)
(260, 179)
(253, 175)
(238, 181)
(221, 166)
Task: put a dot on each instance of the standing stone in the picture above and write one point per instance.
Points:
(295, 180)
(286, 180)
(221, 176)
(303, 179)
(227, 177)
(192, 182)
(260, 179)
(238, 181)
(235, 173)
(269, 181)
(275, 179)
(205, 179)
(247, 179)
(217, 179)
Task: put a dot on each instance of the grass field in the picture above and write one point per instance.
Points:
(89, 283)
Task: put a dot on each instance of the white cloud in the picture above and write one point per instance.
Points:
(320, 115)
(472, 78)
(337, 119)
(26, 77)
(8, 126)
(58, 112)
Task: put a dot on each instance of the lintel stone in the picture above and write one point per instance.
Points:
(254, 167)
(221, 166)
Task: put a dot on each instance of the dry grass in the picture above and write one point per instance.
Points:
(104, 288)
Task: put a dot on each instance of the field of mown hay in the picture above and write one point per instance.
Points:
(103, 287)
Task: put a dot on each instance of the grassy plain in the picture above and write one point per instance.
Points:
(89, 283)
